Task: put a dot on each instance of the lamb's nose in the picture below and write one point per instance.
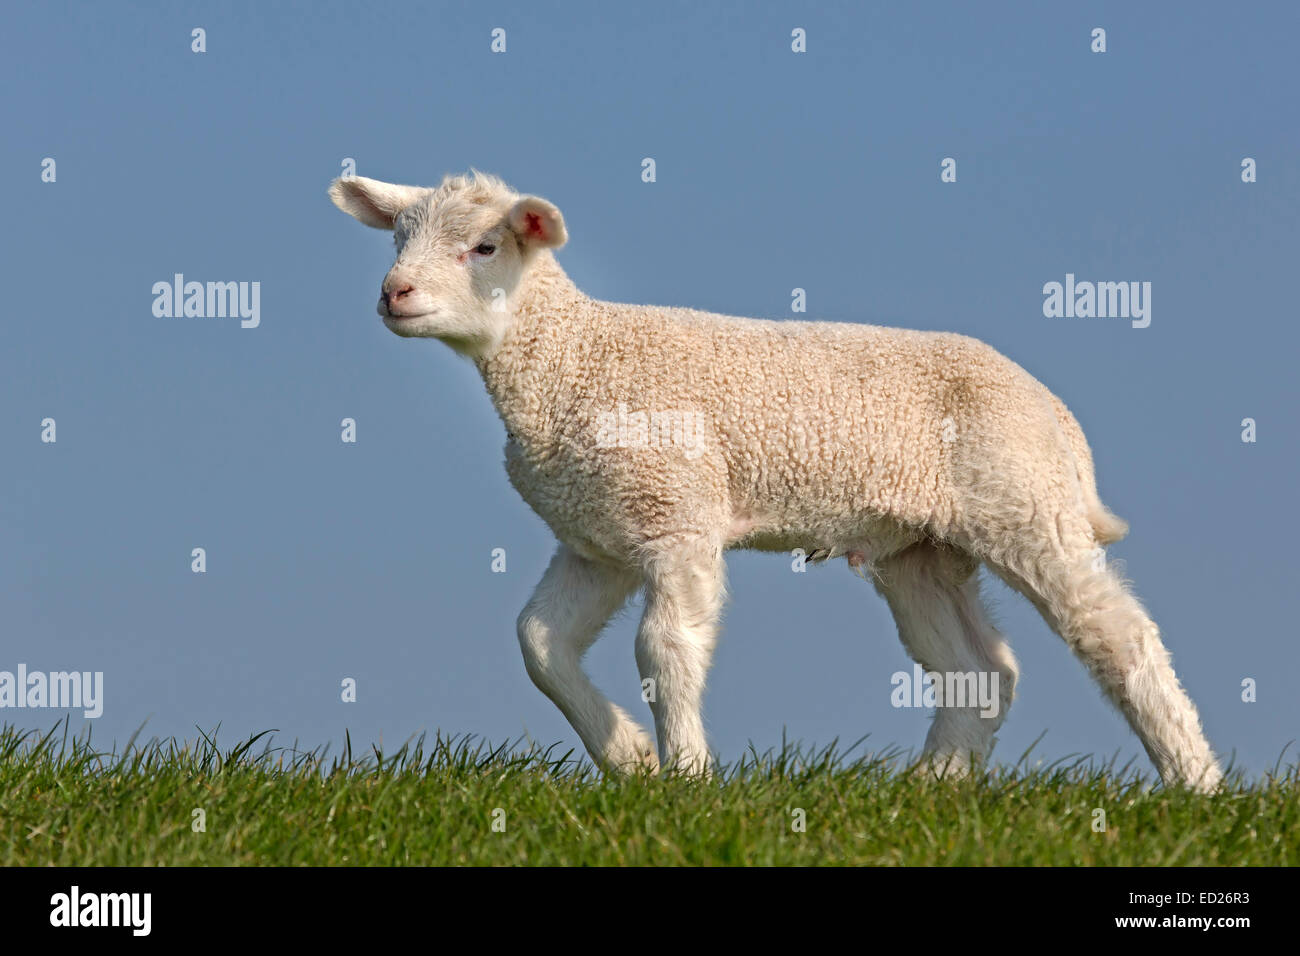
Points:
(393, 295)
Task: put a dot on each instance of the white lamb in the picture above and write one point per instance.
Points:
(652, 440)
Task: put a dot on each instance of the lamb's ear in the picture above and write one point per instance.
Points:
(372, 202)
(537, 223)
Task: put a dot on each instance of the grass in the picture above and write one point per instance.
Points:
(434, 803)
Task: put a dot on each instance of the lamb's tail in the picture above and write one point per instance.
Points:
(1106, 527)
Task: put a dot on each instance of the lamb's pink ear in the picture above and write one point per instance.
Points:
(371, 201)
(538, 223)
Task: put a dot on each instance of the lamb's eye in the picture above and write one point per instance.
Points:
(485, 249)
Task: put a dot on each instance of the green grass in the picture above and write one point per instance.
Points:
(63, 803)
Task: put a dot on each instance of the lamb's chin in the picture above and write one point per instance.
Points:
(410, 327)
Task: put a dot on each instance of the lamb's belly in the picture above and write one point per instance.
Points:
(861, 504)
(864, 543)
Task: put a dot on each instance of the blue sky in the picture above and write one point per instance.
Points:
(775, 170)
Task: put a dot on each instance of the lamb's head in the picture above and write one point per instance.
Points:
(462, 249)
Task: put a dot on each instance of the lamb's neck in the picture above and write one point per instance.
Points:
(524, 373)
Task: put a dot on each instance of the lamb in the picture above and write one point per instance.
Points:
(915, 456)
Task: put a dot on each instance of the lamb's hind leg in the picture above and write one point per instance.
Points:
(1058, 567)
(934, 595)
(573, 602)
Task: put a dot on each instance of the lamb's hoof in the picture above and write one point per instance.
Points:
(1205, 780)
(696, 768)
(936, 766)
(633, 766)
(635, 754)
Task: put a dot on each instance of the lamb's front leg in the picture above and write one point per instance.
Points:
(571, 605)
(674, 646)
